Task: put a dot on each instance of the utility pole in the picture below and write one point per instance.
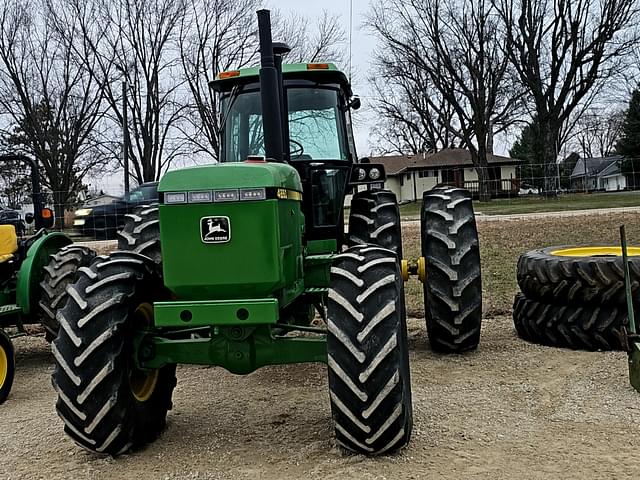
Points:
(125, 136)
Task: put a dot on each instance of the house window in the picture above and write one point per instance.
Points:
(408, 176)
(401, 180)
(447, 176)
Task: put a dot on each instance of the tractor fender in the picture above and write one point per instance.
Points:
(32, 269)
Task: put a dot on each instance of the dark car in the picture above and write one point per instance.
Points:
(12, 217)
(103, 221)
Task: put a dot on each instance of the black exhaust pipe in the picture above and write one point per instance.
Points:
(270, 91)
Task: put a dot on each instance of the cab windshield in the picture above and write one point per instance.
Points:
(316, 128)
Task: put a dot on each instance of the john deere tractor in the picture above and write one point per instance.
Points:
(34, 274)
(246, 263)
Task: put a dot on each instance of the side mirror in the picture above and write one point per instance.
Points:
(355, 103)
(29, 218)
(47, 218)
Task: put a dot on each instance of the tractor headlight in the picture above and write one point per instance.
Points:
(374, 173)
(83, 212)
(362, 174)
(175, 197)
(253, 194)
(200, 197)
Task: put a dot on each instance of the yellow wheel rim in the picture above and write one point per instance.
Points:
(143, 383)
(595, 252)
(4, 366)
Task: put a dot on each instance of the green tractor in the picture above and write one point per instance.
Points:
(240, 257)
(34, 274)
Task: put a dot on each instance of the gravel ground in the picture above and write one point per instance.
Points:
(510, 410)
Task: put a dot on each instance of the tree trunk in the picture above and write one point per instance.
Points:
(549, 151)
(59, 200)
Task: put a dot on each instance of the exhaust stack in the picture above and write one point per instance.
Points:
(270, 91)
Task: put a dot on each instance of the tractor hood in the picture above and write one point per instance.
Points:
(231, 176)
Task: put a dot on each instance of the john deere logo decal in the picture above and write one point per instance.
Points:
(215, 229)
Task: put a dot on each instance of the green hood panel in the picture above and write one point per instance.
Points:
(232, 175)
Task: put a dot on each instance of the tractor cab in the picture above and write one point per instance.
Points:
(316, 130)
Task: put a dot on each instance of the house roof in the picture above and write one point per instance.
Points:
(596, 166)
(451, 157)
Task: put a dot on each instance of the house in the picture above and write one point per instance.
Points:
(408, 176)
(604, 173)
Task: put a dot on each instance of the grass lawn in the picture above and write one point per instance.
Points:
(501, 243)
(536, 203)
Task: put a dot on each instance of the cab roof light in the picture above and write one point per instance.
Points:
(229, 74)
(317, 66)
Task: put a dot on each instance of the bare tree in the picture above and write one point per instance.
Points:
(215, 35)
(562, 50)
(54, 106)
(597, 133)
(413, 117)
(460, 47)
(219, 35)
(135, 42)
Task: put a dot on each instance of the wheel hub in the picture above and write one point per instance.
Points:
(4, 366)
(143, 383)
(595, 252)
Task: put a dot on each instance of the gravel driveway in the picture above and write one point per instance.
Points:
(511, 410)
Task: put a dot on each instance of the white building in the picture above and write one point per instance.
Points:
(408, 176)
(591, 174)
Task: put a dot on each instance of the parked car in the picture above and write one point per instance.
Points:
(103, 221)
(527, 189)
(12, 217)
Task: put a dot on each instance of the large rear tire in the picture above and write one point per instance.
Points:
(109, 406)
(61, 271)
(374, 218)
(141, 233)
(453, 287)
(577, 275)
(368, 355)
(7, 366)
(567, 326)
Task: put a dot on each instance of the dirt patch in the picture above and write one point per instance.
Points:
(510, 410)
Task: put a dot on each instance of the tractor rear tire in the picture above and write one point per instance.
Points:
(7, 366)
(368, 355)
(141, 233)
(374, 218)
(61, 271)
(453, 286)
(109, 406)
(567, 326)
(576, 280)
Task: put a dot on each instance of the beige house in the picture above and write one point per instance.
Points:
(408, 176)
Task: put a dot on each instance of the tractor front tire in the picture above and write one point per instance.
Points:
(567, 326)
(141, 233)
(108, 405)
(453, 286)
(61, 272)
(7, 366)
(368, 355)
(374, 218)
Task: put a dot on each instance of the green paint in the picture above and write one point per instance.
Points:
(221, 312)
(230, 176)
(258, 349)
(31, 270)
(634, 366)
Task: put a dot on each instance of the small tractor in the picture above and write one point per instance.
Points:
(34, 274)
(246, 263)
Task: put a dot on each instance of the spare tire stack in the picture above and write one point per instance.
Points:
(574, 297)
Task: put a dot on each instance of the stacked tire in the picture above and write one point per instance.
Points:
(574, 297)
